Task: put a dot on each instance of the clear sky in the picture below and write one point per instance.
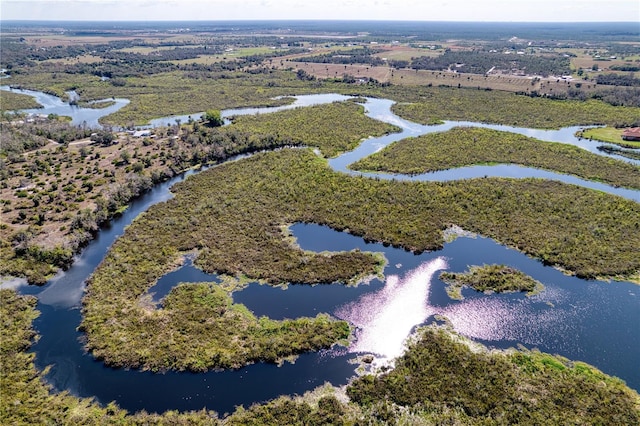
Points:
(412, 10)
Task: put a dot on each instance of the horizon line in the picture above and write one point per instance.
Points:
(317, 20)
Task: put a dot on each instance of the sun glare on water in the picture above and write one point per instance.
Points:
(384, 319)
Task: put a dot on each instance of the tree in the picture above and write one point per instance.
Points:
(213, 118)
(103, 137)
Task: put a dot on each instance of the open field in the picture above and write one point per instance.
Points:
(82, 59)
(46, 41)
(609, 134)
(407, 77)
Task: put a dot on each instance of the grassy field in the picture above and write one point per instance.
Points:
(408, 77)
(405, 53)
(608, 134)
(82, 59)
(466, 146)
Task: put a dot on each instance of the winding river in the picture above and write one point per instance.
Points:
(592, 321)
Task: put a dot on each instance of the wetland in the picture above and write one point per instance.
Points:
(254, 264)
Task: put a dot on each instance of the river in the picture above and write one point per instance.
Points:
(592, 321)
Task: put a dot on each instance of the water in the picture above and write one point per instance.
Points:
(595, 322)
(79, 116)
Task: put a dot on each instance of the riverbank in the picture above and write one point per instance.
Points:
(236, 231)
(514, 382)
(467, 146)
(83, 199)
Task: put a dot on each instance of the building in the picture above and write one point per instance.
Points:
(631, 134)
(141, 133)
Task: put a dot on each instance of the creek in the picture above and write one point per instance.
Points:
(591, 321)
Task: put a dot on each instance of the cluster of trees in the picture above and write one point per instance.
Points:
(614, 79)
(479, 62)
(17, 53)
(615, 96)
(347, 57)
(625, 67)
(16, 139)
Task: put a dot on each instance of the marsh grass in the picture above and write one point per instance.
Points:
(333, 128)
(426, 105)
(439, 380)
(490, 279)
(467, 146)
(233, 216)
(440, 372)
(11, 101)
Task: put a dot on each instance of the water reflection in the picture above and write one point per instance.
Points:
(386, 317)
(594, 322)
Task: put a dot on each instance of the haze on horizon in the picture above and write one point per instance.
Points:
(402, 10)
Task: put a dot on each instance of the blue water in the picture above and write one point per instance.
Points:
(592, 321)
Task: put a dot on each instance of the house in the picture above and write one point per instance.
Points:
(141, 133)
(631, 134)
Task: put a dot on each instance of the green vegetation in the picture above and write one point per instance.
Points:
(188, 92)
(439, 380)
(97, 105)
(199, 329)
(11, 101)
(213, 118)
(490, 278)
(632, 154)
(441, 372)
(175, 92)
(27, 399)
(232, 217)
(465, 146)
(18, 135)
(479, 62)
(608, 134)
(334, 128)
(48, 211)
(236, 230)
(429, 105)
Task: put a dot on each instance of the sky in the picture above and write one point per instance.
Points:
(406, 10)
